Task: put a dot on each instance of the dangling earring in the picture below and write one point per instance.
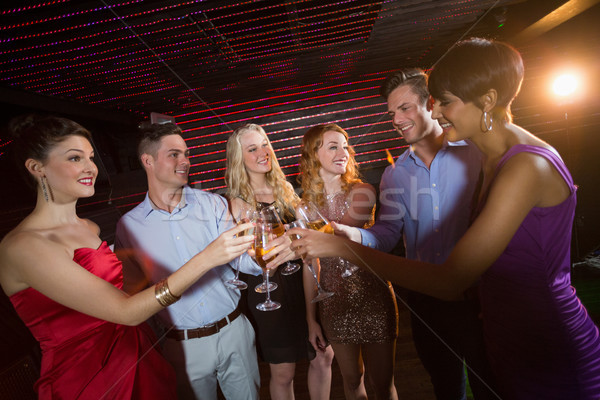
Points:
(484, 116)
(44, 190)
(48, 195)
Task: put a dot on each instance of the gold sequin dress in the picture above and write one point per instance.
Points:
(363, 309)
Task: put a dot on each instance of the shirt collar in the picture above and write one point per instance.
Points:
(411, 153)
(148, 205)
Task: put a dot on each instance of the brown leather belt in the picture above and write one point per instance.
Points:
(183, 334)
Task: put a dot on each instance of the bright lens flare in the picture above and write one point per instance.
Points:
(565, 85)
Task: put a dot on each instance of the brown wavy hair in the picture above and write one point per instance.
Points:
(309, 178)
(238, 181)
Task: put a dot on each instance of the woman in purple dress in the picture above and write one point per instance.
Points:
(539, 338)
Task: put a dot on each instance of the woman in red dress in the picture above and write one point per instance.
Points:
(65, 282)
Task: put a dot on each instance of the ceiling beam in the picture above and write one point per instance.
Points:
(563, 13)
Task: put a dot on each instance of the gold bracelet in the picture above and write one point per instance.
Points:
(163, 295)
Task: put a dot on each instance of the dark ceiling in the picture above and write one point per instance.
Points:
(140, 56)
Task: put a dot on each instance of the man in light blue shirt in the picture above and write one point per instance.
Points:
(207, 341)
(425, 199)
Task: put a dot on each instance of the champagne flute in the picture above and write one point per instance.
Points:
(246, 215)
(262, 236)
(315, 220)
(271, 216)
(262, 287)
(321, 294)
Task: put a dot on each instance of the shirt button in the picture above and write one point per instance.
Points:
(433, 185)
(436, 230)
(177, 237)
(436, 208)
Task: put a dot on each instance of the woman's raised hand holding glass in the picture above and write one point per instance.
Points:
(315, 220)
(322, 294)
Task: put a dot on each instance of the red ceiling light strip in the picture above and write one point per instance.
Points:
(312, 39)
(147, 33)
(134, 53)
(47, 81)
(286, 29)
(314, 45)
(39, 21)
(295, 128)
(44, 45)
(286, 23)
(254, 117)
(212, 153)
(287, 149)
(268, 99)
(33, 7)
(184, 42)
(271, 106)
(108, 20)
(112, 48)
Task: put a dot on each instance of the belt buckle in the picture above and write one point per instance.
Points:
(211, 326)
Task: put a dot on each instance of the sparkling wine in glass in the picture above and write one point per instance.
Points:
(271, 216)
(321, 294)
(262, 236)
(315, 220)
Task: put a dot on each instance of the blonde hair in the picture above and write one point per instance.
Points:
(238, 181)
(311, 181)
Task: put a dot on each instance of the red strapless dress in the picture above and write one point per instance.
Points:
(87, 358)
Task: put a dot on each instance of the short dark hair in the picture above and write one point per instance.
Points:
(34, 136)
(474, 66)
(150, 136)
(414, 77)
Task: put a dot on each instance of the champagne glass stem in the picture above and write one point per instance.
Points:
(268, 290)
(321, 295)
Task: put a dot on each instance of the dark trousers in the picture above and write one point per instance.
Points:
(446, 334)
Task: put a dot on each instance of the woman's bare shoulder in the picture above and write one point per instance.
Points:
(94, 227)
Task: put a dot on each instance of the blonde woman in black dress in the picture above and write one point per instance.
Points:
(255, 180)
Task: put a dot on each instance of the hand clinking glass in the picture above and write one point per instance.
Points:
(246, 215)
(315, 220)
(322, 294)
(271, 216)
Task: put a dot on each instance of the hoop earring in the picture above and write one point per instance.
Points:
(484, 116)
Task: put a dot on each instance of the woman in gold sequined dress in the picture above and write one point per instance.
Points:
(360, 320)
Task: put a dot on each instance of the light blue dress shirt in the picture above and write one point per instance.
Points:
(162, 242)
(430, 207)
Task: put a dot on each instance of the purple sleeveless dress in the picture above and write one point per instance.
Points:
(540, 340)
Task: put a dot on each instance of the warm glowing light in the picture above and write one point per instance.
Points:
(565, 84)
(389, 157)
